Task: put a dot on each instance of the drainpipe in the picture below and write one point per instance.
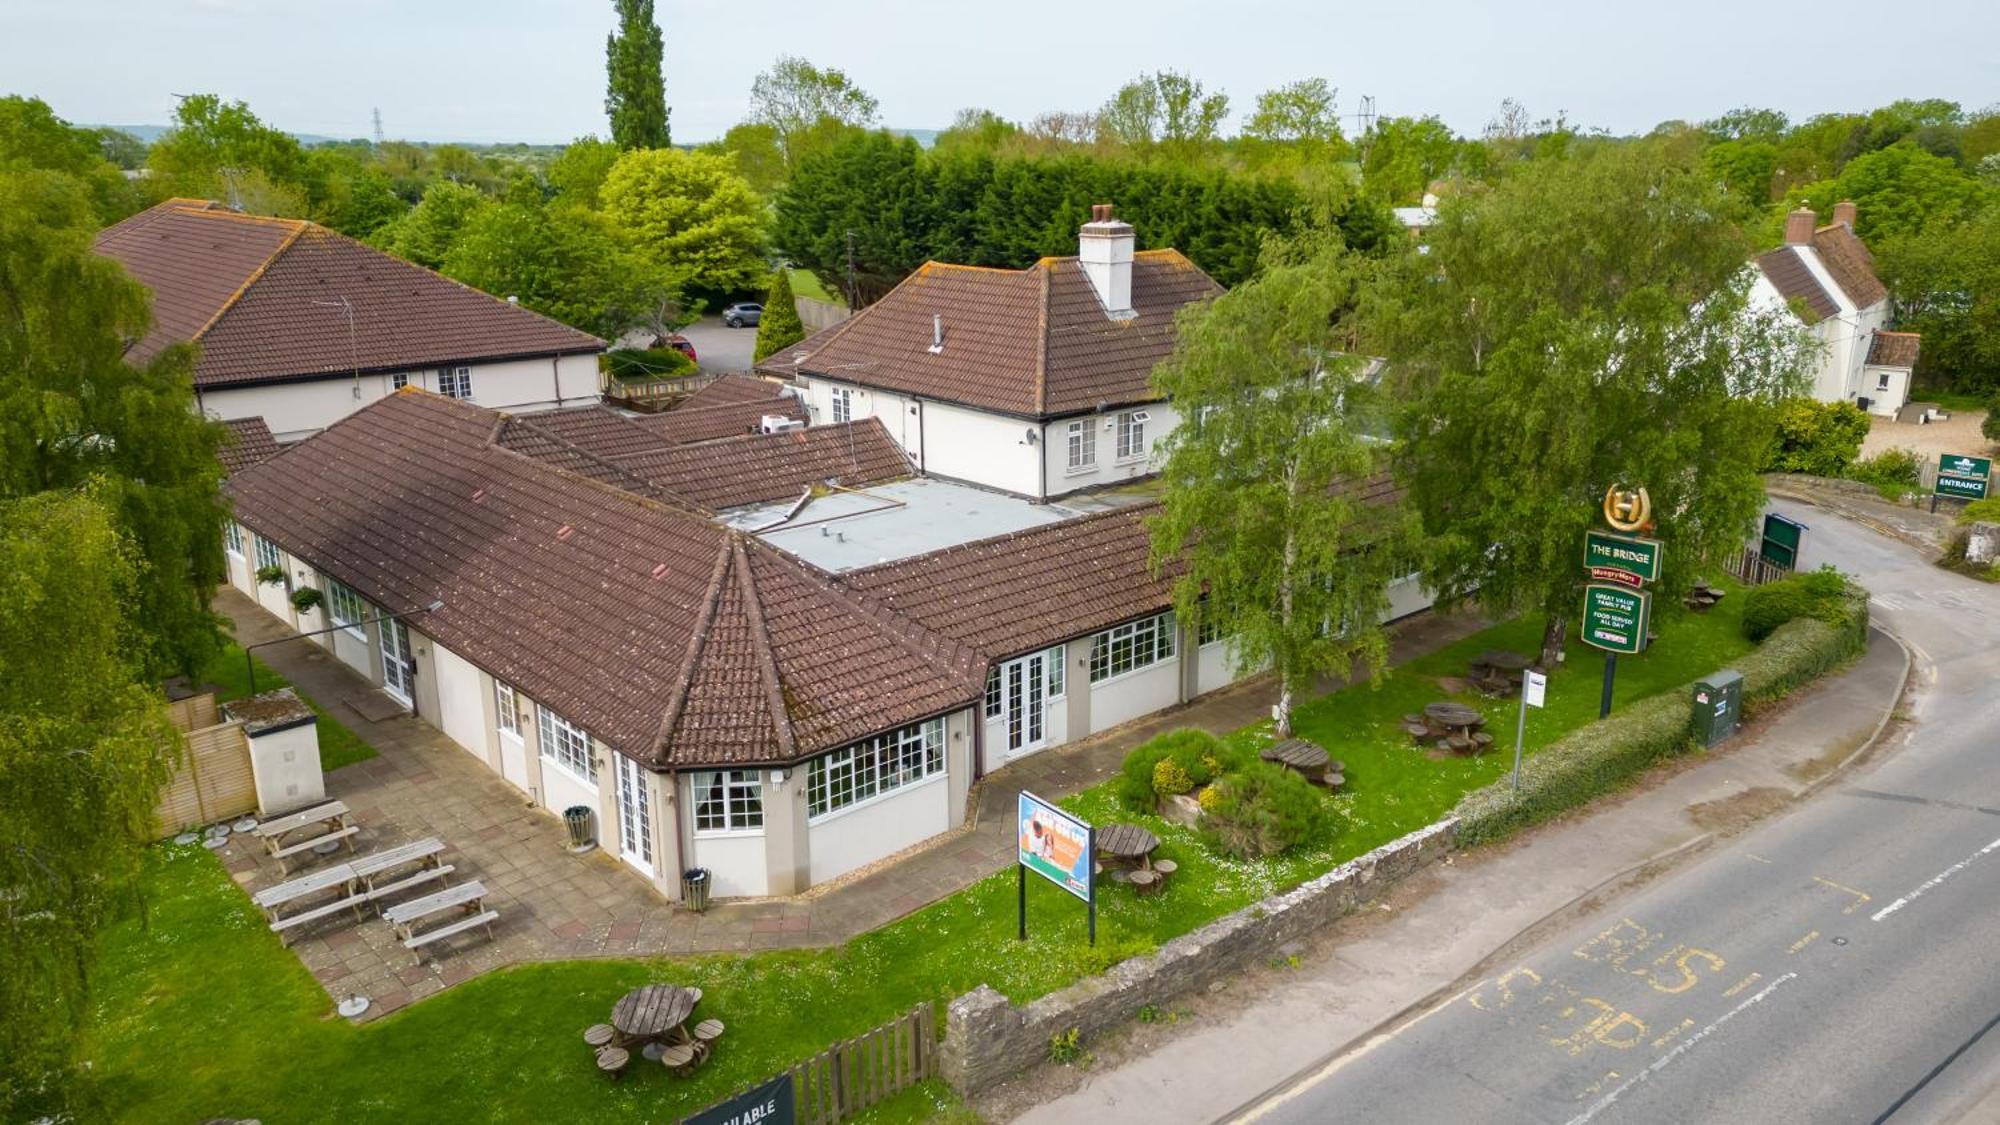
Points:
(682, 843)
(555, 376)
(979, 737)
(1042, 467)
(923, 449)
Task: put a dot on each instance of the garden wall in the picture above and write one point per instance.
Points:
(988, 1038)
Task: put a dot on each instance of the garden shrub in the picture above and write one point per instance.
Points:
(1261, 810)
(1989, 427)
(1981, 511)
(642, 365)
(1820, 438)
(1822, 593)
(1195, 755)
(1892, 472)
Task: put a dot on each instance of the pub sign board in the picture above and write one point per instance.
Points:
(1628, 553)
(773, 1103)
(1962, 478)
(1615, 618)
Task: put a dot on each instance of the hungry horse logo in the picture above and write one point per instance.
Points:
(1627, 509)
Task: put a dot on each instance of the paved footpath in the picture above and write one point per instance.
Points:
(1440, 932)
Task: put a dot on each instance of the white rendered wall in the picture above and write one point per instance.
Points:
(300, 409)
(736, 863)
(1162, 420)
(943, 440)
(861, 834)
(459, 703)
(1124, 698)
(285, 765)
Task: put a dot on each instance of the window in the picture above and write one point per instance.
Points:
(728, 801)
(267, 553)
(346, 607)
(455, 382)
(567, 746)
(993, 692)
(876, 766)
(1132, 435)
(1082, 445)
(843, 404)
(506, 709)
(1132, 646)
(399, 380)
(1208, 632)
(1882, 381)
(1054, 676)
(232, 538)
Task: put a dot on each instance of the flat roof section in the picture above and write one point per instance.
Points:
(845, 530)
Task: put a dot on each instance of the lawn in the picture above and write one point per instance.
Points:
(174, 1040)
(806, 284)
(338, 746)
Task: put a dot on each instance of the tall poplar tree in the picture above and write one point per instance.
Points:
(635, 95)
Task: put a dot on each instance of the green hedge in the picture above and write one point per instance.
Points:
(1607, 754)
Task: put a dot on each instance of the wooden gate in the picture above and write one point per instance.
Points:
(214, 781)
(1754, 569)
(848, 1077)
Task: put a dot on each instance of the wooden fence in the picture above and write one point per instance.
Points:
(848, 1077)
(653, 395)
(214, 781)
(1753, 569)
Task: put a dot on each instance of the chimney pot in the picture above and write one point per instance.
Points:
(1844, 212)
(1104, 251)
(1799, 226)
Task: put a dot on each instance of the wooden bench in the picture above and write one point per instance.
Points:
(280, 854)
(1144, 881)
(417, 880)
(612, 1060)
(286, 923)
(708, 1031)
(599, 1035)
(485, 918)
(679, 1058)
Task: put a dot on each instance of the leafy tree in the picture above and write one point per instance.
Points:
(72, 411)
(1981, 136)
(1748, 124)
(780, 326)
(221, 150)
(976, 130)
(635, 95)
(1583, 324)
(1898, 190)
(578, 174)
(1268, 540)
(1946, 281)
(1745, 167)
(1821, 438)
(1303, 113)
(691, 212)
(866, 199)
(426, 234)
(33, 137)
(754, 148)
(808, 107)
(1168, 109)
(1403, 155)
(84, 749)
(355, 198)
(121, 148)
(563, 262)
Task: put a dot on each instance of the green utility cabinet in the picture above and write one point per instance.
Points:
(1718, 706)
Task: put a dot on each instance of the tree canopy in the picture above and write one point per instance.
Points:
(635, 97)
(692, 213)
(563, 262)
(780, 327)
(807, 107)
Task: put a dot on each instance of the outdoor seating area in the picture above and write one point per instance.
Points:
(1125, 855)
(1702, 597)
(1310, 760)
(1450, 726)
(652, 1020)
(371, 882)
(1498, 672)
(327, 822)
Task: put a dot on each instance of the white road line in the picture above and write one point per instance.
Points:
(1659, 1064)
(1932, 882)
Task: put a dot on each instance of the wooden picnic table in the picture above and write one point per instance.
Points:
(1454, 716)
(368, 867)
(1307, 758)
(281, 894)
(653, 1011)
(469, 896)
(1503, 660)
(1127, 843)
(331, 816)
(332, 813)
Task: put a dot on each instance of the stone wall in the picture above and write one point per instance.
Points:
(988, 1038)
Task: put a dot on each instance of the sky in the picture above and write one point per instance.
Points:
(533, 70)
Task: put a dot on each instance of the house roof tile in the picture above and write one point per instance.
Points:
(1794, 281)
(1894, 349)
(250, 442)
(1850, 263)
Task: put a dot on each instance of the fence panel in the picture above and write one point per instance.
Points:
(1753, 569)
(193, 713)
(214, 781)
(853, 1075)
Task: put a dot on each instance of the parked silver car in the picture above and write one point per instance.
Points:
(742, 315)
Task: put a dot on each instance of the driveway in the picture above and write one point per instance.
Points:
(1958, 434)
(720, 347)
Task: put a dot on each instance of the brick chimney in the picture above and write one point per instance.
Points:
(1844, 212)
(1104, 250)
(1799, 226)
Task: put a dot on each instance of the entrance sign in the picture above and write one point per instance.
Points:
(1058, 847)
(1615, 619)
(773, 1103)
(1962, 478)
(1640, 558)
(1780, 545)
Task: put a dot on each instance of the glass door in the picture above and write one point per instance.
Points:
(1024, 690)
(635, 814)
(398, 669)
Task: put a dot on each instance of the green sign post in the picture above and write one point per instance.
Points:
(1961, 478)
(1637, 557)
(1615, 619)
(1780, 545)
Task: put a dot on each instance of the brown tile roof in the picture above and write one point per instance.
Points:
(732, 389)
(674, 641)
(262, 298)
(759, 468)
(1794, 281)
(250, 442)
(1850, 263)
(1895, 349)
(1033, 342)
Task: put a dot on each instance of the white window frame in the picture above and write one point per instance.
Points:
(842, 405)
(232, 538)
(399, 380)
(1132, 435)
(568, 747)
(994, 696)
(1132, 647)
(736, 790)
(264, 547)
(455, 382)
(347, 617)
(867, 771)
(506, 710)
(1082, 446)
(1055, 677)
(1882, 380)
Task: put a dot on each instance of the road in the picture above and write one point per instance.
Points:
(1834, 964)
(721, 347)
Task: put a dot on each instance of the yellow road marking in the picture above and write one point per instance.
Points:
(1684, 1025)
(1803, 942)
(1740, 985)
(1860, 897)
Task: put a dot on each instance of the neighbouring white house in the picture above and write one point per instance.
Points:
(1826, 278)
(1036, 382)
(301, 326)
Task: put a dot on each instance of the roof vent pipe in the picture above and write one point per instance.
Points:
(937, 333)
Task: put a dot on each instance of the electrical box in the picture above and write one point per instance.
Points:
(1718, 706)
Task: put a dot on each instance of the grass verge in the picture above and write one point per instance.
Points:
(338, 746)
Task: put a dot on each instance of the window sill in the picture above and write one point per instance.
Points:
(729, 833)
(564, 769)
(1080, 470)
(900, 790)
(1136, 459)
(512, 736)
(357, 633)
(1131, 672)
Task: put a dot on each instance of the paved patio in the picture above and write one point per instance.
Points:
(555, 906)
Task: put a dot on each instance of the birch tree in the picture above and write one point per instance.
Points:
(1265, 524)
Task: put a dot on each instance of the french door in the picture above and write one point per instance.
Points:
(635, 814)
(398, 670)
(1024, 686)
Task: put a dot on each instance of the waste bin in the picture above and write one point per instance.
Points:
(694, 889)
(1718, 706)
(577, 819)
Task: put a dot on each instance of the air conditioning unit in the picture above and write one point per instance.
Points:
(778, 424)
